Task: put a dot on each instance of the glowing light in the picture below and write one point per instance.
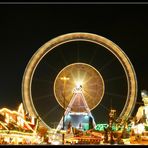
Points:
(101, 127)
(144, 93)
(79, 84)
(55, 142)
(78, 113)
(86, 117)
(68, 117)
(64, 78)
(83, 78)
(139, 129)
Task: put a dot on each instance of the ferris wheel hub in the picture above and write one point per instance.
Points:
(80, 75)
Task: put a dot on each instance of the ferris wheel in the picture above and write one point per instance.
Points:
(97, 64)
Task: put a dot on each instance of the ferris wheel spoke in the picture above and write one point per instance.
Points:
(63, 57)
(50, 111)
(104, 107)
(88, 80)
(114, 94)
(90, 96)
(115, 78)
(84, 76)
(78, 52)
(51, 67)
(61, 89)
(92, 90)
(40, 80)
(70, 85)
(93, 56)
(92, 85)
(107, 64)
(88, 90)
(42, 97)
(69, 96)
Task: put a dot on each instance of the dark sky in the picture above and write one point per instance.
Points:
(25, 28)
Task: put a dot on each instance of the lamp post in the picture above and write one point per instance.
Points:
(64, 79)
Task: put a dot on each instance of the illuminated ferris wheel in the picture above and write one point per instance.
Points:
(92, 61)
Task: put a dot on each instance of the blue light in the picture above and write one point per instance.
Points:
(68, 117)
(86, 117)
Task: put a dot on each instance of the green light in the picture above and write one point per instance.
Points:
(101, 127)
(85, 126)
(146, 128)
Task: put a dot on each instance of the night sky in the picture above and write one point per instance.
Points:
(25, 28)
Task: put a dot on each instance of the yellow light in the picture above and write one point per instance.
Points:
(79, 84)
(64, 78)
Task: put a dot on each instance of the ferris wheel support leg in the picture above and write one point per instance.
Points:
(60, 125)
